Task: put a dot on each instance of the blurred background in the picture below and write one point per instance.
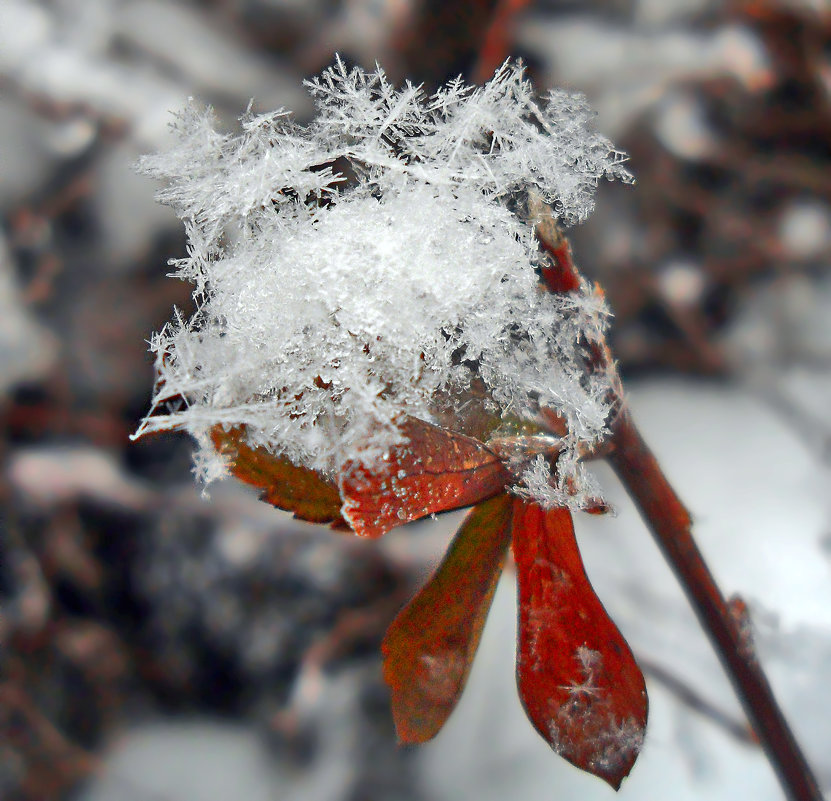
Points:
(160, 646)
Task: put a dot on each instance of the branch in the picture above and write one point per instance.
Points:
(726, 624)
(670, 523)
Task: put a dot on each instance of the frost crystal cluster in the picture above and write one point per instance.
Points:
(375, 263)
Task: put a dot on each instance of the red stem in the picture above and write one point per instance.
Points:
(670, 523)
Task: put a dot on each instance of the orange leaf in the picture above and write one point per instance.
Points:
(285, 485)
(577, 678)
(435, 470)
(429, 648)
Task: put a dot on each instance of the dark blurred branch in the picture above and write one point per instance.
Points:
(694, 700)
(446, 40)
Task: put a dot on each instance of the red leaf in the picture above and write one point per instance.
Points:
(577, 678)
(435, 470)
(285, 485)
(429, 648)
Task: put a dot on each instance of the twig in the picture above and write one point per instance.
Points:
(693, 699)
(497, 38)
(670, 523)
(726, 623)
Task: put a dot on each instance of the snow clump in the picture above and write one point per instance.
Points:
(375, 263)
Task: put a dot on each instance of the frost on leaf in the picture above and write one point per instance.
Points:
(569, 485)
(576, 675)
(377, 263)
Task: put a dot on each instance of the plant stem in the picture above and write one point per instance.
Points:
(670, 523)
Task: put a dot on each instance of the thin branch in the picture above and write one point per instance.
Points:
(693, 699)
(670, 524)
(726, 624)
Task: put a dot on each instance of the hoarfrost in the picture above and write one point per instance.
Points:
(612, 741)
(374, 263)
(615, 743)
(584, 687)
(569, 485)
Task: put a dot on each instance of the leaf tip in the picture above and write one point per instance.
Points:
(578, 680)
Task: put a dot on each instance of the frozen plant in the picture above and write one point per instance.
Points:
(389, 324)
(378, 263)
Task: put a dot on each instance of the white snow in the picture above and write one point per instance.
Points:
(330, 308)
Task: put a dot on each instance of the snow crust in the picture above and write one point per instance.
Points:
(377, 263)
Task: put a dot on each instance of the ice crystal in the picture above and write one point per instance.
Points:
(373, 263)
(569, 484)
